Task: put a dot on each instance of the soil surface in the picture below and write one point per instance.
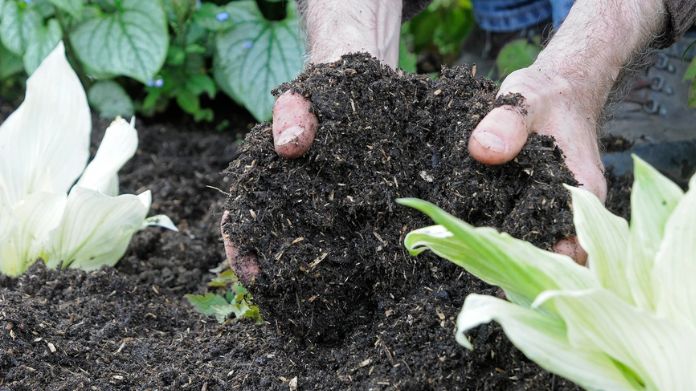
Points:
(129, 328)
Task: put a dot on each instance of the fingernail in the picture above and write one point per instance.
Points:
(490, 141)
(289, 135)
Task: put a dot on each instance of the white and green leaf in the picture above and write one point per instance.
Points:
(675, 263)
(605, 237)
(518, 267)
(117, 147)
(658, 351)
(95, 229)
(27, 226)
(44, 144)
(653, 199)
(542, 337)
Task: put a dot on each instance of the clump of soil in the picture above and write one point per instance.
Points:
(325, 228)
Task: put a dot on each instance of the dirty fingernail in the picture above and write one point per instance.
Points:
(290, 135)
(490, 141)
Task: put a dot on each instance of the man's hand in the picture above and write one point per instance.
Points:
(550, 108)
(334, 28)
(567, 87)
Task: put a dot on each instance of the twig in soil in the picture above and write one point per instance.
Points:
(218, 189)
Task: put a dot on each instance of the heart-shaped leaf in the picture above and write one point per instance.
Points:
(132, 41)
(255, 55)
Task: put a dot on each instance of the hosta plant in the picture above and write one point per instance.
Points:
(53, 205)
(625, 322)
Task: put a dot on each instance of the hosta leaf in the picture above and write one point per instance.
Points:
(675, 263)
(131, 41)
(43, 40)
(255, 55)
(117, 147)
(605, 238)
(28, 225)
(44, 144)
(518, 267)
(658, 351)
(110, 99)
(95, 229)
(653, 199)
(542, 338)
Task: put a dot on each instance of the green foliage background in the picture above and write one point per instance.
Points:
(161, 51)
(136, 56)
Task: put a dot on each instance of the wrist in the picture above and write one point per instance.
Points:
(338, 27)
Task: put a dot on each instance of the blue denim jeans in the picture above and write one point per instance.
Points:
(512, 15)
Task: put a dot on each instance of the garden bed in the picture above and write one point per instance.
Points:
(129, 327)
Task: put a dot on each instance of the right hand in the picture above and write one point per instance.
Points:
(334, 28)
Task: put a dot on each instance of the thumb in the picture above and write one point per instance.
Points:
(500, 136)
(294, 125)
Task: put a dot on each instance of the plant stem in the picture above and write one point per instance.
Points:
(70, 51)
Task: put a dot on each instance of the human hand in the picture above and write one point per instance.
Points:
(552, 108)
(334, 28)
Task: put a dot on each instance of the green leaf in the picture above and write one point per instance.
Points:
(10, 63)
(518, 267)
(18, 26)
(212, 17)
(653, 199)
(110, 99)
(132, 41)
(407, 59)
(43, 40)
(256, 55)
(222, 280)
(690, 73)
(515, 55)
(211, 304)
(199, 84)
(188, 101)
(542, 338)
(605, 237)
(95, 230)
(455, 25)
(73, 7)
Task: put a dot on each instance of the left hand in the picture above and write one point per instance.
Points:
(551, 109)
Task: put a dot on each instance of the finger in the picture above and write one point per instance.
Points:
(244, 266)
(500, 136)
(294, 125)
(571, 248)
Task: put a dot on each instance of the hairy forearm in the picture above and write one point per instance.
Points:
(598, 38)
(338, 27)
